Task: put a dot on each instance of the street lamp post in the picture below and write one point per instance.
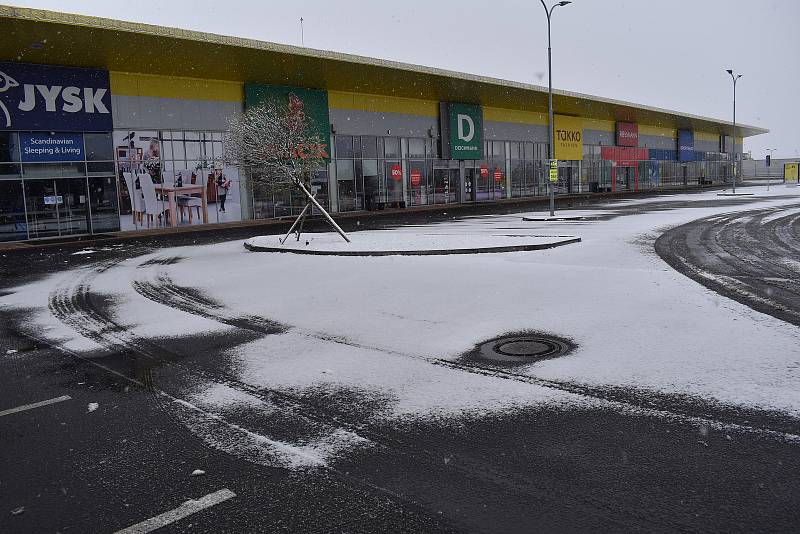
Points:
(735, 78)
(769, 174)
(549, 13)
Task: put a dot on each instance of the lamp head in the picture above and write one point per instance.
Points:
(564, 2)
(729, 71)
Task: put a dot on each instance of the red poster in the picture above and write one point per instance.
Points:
(498, 175)
(627, 134)
(397, 173)
(484, 171)
(416, 177)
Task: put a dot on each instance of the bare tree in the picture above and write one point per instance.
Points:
(273, 144)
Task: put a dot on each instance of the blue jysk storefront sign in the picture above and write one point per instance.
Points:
(44, 97)
(686, 145)
(46, 147)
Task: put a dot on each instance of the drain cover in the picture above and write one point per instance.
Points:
(521, 349)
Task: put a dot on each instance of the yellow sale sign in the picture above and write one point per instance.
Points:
(790, 172)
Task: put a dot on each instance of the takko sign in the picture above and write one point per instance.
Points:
(627, 134)
(568, 138)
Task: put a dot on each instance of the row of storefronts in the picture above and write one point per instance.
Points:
(95, 150)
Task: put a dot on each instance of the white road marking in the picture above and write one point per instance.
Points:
(186, 509)
(35, 405)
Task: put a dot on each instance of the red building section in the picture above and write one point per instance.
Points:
(624, 158)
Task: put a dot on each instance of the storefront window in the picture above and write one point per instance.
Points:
(344, 146)
(13, 225)
(391, 147)
(9, 153)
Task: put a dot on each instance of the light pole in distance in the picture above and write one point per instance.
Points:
(769, 174)
(735, 78)
(549, 13)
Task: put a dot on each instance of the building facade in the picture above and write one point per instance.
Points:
(113, 136)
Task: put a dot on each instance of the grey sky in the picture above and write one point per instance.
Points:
(667, 53)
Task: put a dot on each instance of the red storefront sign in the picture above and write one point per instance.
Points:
(416, 177)
(397, 173)
(627, 134)
(498, 175)
(484, 171)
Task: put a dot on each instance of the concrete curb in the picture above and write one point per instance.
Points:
(480, 250)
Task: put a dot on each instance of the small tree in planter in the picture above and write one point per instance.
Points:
(274, 140)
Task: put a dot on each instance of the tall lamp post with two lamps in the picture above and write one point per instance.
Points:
(735, 78)
(549, 13)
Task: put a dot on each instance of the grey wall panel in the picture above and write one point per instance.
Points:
(153, 113)
(597, 137)
(510, 131)
(357, 122)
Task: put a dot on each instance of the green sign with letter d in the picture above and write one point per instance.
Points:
(462, 130)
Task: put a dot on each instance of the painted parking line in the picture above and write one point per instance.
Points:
(186, 509)
(35, 405)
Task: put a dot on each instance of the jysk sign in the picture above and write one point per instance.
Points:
(461, 128)
(685, 145)
(568, 138)
(42, 97)
(627, 134)
(45, 147)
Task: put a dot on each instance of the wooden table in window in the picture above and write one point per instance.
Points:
(171, 190)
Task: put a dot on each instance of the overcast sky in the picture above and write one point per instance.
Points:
(667, 53)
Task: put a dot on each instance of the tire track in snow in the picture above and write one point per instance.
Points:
(689, 409)
(73, 305)
(742, 257)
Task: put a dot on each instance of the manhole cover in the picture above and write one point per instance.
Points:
(522, 349)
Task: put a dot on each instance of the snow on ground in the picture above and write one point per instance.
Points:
(378, 325)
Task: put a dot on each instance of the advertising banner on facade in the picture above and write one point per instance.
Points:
(313, 103)
(685, 145)
(44, 97)
(461, 128)
(627, 134)
(171, 179)
(568, 138)
(51, 147)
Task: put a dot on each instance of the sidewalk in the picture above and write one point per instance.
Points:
(349, 221)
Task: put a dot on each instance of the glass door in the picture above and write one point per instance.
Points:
(42, 201)
(73, 212)
(56, 207)
(471, 175)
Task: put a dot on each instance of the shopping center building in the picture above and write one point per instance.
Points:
(108, 125)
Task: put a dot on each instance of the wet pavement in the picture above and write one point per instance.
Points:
(118, 452)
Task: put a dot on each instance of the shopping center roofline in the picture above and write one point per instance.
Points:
(41, 36)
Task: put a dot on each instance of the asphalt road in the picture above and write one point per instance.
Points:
(752, 257)
(118, 451)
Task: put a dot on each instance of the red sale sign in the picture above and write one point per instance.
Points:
(484, 171)
(498, 175)
(397, 173)
(416, 177)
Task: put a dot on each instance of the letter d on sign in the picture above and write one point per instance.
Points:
(461, 135)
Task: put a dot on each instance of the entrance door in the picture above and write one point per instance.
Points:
(446, 185)
(471, 176)
(57, 207)
(625, 178)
